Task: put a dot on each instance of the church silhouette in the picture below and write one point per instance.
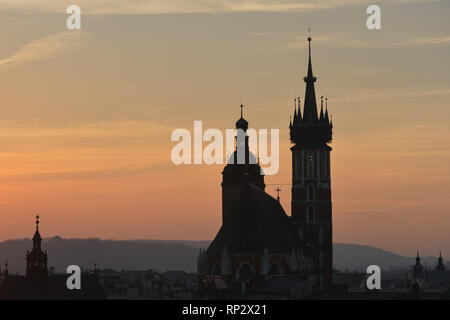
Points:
(258, 242)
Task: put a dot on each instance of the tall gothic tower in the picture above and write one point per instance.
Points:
(311, 185)
(37, 259)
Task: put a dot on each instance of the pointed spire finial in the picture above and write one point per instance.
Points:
(309, 45)
(321, 118)
(37, 222)
(299, 108)
(242, 106)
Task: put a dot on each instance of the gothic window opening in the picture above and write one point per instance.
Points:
(275, 269)
(310, 214)
(311, 237)
(310, 164)
(215, 271)
(310, 195)
(321, 236)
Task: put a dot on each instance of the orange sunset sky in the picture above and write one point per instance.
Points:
(86, 115)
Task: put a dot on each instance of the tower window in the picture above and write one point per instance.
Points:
(321, 259)
(310, 215)
(321, 236)
(215, 271)
(310, 164)
(311, 236)
(310, 195)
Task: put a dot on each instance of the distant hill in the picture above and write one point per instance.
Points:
(132, 255)
(164, 255)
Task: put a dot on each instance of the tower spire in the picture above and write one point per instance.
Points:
(299, 108)
(309, 50)
(295, 108)
(321, 108)
(310, 108)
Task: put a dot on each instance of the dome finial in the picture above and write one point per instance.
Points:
(242, 123)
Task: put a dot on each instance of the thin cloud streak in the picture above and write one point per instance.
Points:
(186, 6)
(377, 95)
(45, 48)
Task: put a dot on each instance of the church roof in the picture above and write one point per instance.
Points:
(256, 220)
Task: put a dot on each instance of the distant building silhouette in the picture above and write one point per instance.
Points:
(38, 284)
(424, 279)
(37, 259)
(418, 269)
(440, 266)
(257, 239)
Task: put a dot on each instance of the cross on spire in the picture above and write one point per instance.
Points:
(278, 193)
(37, 222)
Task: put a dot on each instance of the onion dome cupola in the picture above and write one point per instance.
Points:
(242, 123)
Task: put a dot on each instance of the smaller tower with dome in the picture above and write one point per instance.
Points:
(37, 259)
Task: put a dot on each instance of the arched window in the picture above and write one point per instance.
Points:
(310, 195)
(310, 164)
(310, 215)
(320, 259)
(215, 271)
(245, 272)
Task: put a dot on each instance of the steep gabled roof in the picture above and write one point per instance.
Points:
(255, 221)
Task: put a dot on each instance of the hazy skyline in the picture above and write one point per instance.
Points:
(86, 116)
